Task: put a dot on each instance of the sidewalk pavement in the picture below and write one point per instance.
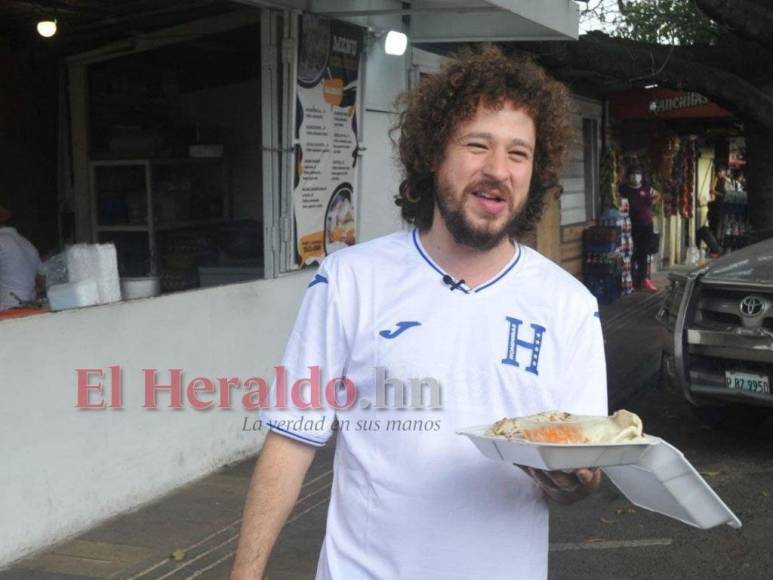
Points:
(192, 532)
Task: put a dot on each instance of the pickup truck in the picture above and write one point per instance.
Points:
(718, 337)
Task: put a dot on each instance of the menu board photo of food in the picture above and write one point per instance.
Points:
(326, 149)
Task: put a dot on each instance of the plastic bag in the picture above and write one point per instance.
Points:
(693, 256)
(55, 270)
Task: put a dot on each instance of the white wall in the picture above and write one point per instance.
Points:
(378, 214)
(574, 205)
(385, 78)
(66, 469)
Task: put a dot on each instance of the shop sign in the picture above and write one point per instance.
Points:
(684, 101)
(663, 104)
(326, 150)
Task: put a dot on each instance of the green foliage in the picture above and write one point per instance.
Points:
(664, 21)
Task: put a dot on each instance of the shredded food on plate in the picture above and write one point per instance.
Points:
(563, 427)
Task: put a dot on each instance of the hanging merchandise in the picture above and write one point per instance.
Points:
(677, 178)
(661, 157)
(688, 183)
(684, 177)
(608, 176)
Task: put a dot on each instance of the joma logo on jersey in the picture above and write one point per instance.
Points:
(401, 327)
(514, 341)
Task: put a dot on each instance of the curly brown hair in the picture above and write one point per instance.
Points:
(433, 110)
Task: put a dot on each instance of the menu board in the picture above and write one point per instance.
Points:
(326, 149)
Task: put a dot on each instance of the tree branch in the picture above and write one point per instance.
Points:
(627, 60)
(726, 58)
(743, 17)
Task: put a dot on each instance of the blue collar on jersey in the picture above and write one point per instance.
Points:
(464, 288)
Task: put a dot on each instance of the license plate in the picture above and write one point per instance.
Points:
(749, 382)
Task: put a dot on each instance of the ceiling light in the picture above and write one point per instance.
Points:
(652, 86)
(395, 43)
(47, 28)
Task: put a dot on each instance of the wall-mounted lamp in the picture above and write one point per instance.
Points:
(47, 28)
(395, 42)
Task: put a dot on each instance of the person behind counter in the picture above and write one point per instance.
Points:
(739, 179)
(723, 183)
(725, 189)
(708, 233)
(19, 265)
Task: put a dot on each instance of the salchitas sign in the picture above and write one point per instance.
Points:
(663, 104)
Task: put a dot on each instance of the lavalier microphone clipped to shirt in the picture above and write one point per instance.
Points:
(451, 283)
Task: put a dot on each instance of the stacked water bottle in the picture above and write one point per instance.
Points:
(602, 262)
(619, 219)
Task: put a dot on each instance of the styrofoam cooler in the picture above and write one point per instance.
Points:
(72, 295)
(98, 263)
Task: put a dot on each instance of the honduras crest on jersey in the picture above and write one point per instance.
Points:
(517, 339)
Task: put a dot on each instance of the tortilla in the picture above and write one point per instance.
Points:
(621, 426)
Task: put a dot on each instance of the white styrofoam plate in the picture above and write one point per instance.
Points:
(553, 456)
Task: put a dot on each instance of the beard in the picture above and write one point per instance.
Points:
(464, 232)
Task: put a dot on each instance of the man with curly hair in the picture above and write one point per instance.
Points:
(451, 324)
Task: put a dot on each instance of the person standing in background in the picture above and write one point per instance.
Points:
(722, 186)
(709, 233)
(19, 265)
(738, 179)
(722, 183)
(640, 198)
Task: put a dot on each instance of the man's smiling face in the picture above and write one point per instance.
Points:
(483, 181)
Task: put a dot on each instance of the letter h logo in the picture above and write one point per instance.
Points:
(514, 342)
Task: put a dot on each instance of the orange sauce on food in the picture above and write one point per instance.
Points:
(556, 434)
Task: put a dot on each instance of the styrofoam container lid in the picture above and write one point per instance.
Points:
(652, 474)
(663, 481)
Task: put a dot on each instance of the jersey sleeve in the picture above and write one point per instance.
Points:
(584, 367)
(317, 353)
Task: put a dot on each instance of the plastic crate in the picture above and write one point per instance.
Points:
(609, 234)
(606, 289)
(591, 247)
(600, 269)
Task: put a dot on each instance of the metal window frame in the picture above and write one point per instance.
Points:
(290, 41)
(270, 158)
(591, 160)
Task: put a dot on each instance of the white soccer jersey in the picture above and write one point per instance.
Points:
(411, 499)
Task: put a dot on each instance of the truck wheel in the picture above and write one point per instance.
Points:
(731, 417)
